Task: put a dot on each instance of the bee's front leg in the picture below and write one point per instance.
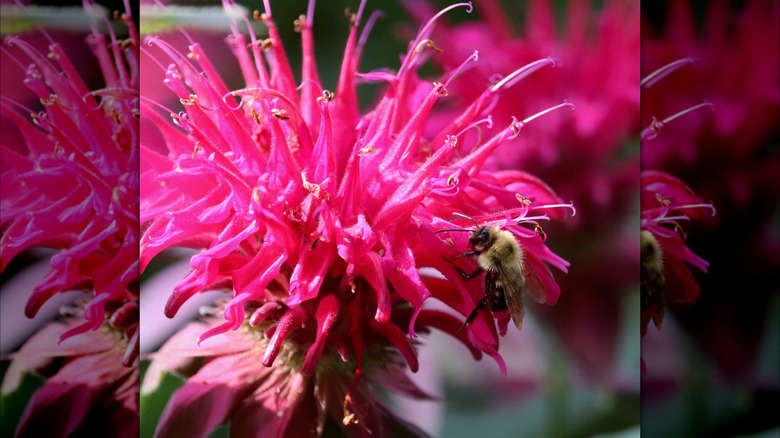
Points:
(463, 273)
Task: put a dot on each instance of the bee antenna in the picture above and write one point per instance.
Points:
(451, 229)
(466, 217)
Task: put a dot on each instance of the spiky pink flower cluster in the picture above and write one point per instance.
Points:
(71, 183)
(321, 221)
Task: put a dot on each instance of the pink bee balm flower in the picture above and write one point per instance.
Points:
(87, 388)
(70, 176)
(322, 223)
(665, 202)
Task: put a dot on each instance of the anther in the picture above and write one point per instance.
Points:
(523, 200)
(431, 45)
(440, 90)
(366, 151)
(280, 114)
(663, 200)
(299, 23)
(327, 96)
(350, 16)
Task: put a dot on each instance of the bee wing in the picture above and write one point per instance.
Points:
(512, 280)
(533, 285)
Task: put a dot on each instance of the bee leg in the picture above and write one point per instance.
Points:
(480, 305)
(467, 253)
(463, 273)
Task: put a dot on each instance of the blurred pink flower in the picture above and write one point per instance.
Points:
(735, 67)
(87, 387)
(665, 202)
(728, 156)
(590, 155)
(321, 222)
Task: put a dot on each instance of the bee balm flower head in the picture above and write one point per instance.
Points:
(321, 221)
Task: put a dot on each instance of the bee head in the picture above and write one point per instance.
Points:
(481, 239)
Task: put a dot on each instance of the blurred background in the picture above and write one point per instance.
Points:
(714, 369)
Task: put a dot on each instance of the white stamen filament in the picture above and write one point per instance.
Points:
(523, 72)
(654, 129)
(665, 71)
(517, 126)
(462, 67)
(570, 206)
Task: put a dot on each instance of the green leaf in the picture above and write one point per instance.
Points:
(153, 402)
(157, 19)
(12, 403)
(16, 19)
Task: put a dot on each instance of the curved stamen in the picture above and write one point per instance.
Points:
(359, 14)
(17, 104)
(462, 67)
(427, 28)
(154, 58)
(570, 206)
(654, 129)
(523, 72)
(376, 15)
(169, 50)
(422, 36)
(264, 93)
(665, 71)
(664, 211)
(310, 13)
(517, 126)
(157, 104)
(487, 121)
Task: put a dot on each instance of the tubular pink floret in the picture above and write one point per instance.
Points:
(651, 79)
(397, 337)
(265, 311)
(654, 129)
(327, 314)
(292, 320)
(524, 72)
